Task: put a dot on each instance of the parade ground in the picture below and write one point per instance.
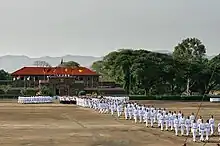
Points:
(69, 125)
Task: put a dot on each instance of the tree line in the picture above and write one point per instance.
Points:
(186, 71)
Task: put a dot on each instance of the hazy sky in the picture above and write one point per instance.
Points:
(96, 27)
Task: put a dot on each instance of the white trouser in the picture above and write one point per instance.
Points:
(202, 135)
(194, 131)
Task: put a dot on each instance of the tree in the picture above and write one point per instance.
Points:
(69, 64)
(4, 75)
(146, 72)
(40, 63)
(190, 52)
(5, 88)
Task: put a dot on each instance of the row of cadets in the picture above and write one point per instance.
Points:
(167, 119)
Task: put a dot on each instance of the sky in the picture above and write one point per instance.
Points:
(96, 27)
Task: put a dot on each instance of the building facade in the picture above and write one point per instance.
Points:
(62, 81)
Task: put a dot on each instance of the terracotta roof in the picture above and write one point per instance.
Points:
(31, 71)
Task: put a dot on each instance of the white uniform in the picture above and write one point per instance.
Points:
(146, 117)
(152, 118)
(161, 122)
(192, 118)
(182, 125)
(207, 130)
(187, 126)
(158, 119)
(194, 130)
(171, 122)
(130, 111)
(126, 112)
(218, 128)
(135, 113)
(176, 126)
(212, 124)
(166, 118)
(202, 130)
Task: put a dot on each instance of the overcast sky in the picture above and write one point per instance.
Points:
(96, 27)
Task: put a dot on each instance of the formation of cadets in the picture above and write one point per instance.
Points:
(153, 117)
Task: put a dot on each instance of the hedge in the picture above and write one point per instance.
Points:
(171, 97)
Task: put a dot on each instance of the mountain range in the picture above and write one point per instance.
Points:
(11, 63)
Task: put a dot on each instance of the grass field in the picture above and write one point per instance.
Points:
(68, 125)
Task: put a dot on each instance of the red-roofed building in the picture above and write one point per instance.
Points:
(64, 81)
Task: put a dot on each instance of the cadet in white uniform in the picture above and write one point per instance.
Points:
(219, 129)
(146, 117)
(126, 112)
(161, 122)
(158, 118)
(207, 129)
(152, 118)
(182, 124)
(171, 121)
(194, 130)
(135, 113)
(202, 130)
(166, 118)
(187, 125)
(212, 124)
(176, 125)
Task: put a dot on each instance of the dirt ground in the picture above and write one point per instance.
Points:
(68, 125)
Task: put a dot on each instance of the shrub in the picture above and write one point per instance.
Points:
(170, 97)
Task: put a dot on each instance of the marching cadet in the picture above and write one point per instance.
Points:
(126, 111)
(169, 116)
(119, 110)
(161, 122)
(130, 111)
(155, 115)
(146, 117)
(207, 130)
(176, 125)
(152, 118)
(158, 118)
(174, 114)
(194, 130)
(135, 113)
(192, 118)
(182, 124)
(212, 124)
(164, 112)
(112, 108)
(179, 115)
(199, 122)
(167, 121)
(140, 114)
(171, 121)
(202, 130)
(187, 125)
(219, 129)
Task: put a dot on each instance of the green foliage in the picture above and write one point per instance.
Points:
(4, 75)
(170, 97)
(69, 64)
(46, 91)
(145, 72)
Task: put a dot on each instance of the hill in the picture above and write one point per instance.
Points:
(11, 63)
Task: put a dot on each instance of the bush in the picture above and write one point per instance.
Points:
(170, 97)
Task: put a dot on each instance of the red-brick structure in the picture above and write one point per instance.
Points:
(63, 81)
